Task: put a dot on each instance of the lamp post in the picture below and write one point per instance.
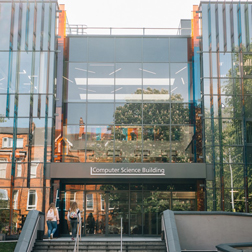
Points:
(231, 178)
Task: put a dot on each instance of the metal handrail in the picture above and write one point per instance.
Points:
(163, 228)
(83, 29)
(78, 238)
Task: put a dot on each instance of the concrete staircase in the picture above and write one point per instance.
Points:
(100, 246)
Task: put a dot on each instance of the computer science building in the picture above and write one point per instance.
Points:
(126, 122)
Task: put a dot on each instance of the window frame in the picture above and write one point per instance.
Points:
(31, 207)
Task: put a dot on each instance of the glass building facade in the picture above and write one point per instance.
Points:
(125, 125)
(225, 51)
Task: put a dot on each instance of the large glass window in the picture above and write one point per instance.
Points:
(128, 49)
(178, 50)
(98, 53)
(100, 144)
(78, 49)
(156, 50)
(100, 113)
(156, 82)
(179, 82)
(76, 82)
(128, 142)
(156, 144)
(128, 82)
(101, 82)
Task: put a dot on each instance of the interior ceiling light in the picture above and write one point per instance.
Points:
(29, 76)
(116, 71)
(174, 89)
(89, 90)
(183, 81)
(144, 70)
(24, 72)
(102, 64)
(117, 89)
(67, 79)
(2, 79)
(84, 70)
(181, 69)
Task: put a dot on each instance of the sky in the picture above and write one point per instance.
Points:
(128, 13)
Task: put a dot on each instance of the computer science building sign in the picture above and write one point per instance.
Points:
(128, 171)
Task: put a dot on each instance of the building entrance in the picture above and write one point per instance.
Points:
(139, 205)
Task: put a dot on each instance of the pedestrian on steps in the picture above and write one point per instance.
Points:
(52, 219)
(74, 217)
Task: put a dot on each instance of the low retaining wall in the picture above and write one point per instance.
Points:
(205, 230)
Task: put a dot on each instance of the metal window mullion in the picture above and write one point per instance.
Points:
(247, 28)
(14, 142)
(219, 108)
(27, 25)
(41, 82)
(211, 102)
(239, 24)
(232, 27)
(224, 26)
(46, 110)
(9, 83)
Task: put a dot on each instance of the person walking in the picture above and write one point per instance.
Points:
(74, 217)
(52, 219)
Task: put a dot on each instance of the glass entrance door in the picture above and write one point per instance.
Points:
(104, 211)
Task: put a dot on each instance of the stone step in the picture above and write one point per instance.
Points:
(100, 246)
(98, 250)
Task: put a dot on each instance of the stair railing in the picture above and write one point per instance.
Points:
(78, 237)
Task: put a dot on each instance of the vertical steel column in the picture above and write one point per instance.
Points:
(47, 105)
(245, 176)
(219, 106)
(13, 162)
(31, 126)
(224, 26)
(9, 83)
(211, 103)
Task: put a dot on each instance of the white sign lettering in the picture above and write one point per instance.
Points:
(127, 171)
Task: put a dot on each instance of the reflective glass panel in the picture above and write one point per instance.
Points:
(179, 82)
(128, 82)
(225, 64)
(101, 82)
(156, 81)
(100, 141)
(77, 49)
(5, 21)
(98, 53)
(4, 60)
(156, 113)
(76, 82)
(99, 113)
(180, 113)
(181, 137)
(73, 143)
(128, 113)
(156, 50)
(178, 50)
(156, 144)
(79, 115)
(128, 142)
(128, 49)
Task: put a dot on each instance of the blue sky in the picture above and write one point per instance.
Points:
(129, 13)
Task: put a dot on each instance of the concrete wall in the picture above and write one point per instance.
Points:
(205, 230)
